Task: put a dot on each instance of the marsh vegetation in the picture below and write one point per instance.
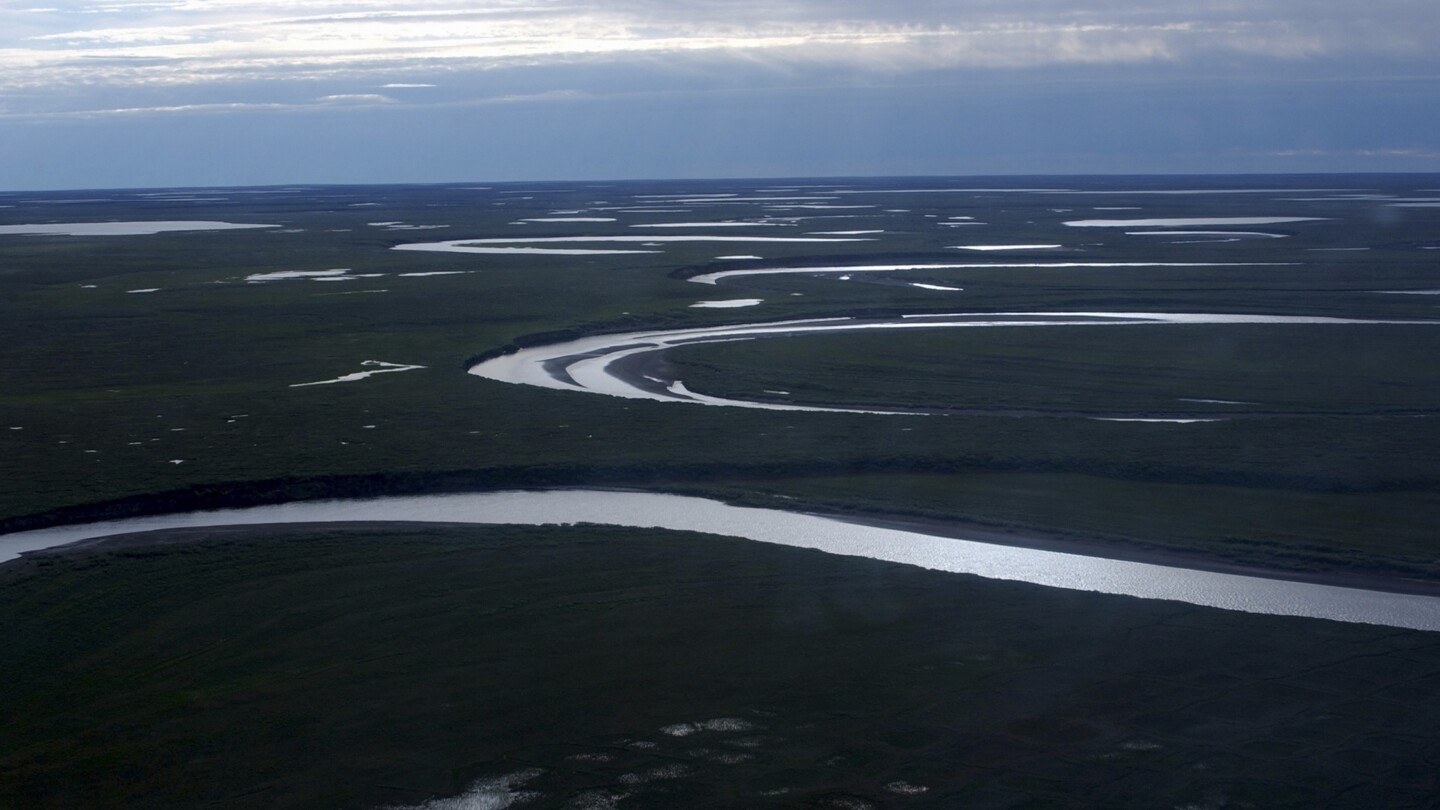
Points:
(158, 372)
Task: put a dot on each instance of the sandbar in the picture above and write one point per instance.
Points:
(1185, 221)
(730, 303)
(1004, 247)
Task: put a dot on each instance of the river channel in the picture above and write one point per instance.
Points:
(596, 364)
(1250, 594)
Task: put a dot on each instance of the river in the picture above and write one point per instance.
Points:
(1250, 594)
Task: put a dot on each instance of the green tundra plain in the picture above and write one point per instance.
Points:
(583, 666)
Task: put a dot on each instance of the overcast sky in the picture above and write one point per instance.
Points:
(124, 93)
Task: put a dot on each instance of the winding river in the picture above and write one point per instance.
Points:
(588, 364)
(1055, 569)
(615, 365)
(597, 364)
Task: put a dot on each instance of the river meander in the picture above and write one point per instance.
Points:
(595, 363)
(1250, 594)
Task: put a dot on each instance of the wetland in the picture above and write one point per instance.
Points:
(1137, 389)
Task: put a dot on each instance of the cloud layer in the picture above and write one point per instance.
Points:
(66, 57)
(124, 93)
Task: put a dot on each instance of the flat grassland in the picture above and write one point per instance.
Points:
(355, 666)
(152, 373)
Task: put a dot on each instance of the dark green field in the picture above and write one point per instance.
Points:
(1199, 369)
(117, 403)
(327, 668)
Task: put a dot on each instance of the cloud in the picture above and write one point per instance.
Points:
(1406, 152)
(212, 107)
(356, 98)
(548, 95)
(322, 103)
(118, 44)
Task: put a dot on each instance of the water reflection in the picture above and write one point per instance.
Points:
(641, 509)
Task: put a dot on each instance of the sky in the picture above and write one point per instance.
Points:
(153, 93)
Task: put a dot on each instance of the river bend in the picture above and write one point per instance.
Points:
(640, 509)
(595, 364)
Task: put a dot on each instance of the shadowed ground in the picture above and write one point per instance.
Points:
(360, 665)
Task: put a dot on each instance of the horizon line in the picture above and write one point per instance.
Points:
(725, 179)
